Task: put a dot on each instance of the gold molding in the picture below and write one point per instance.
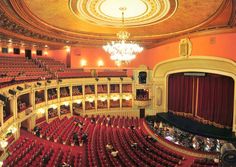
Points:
(185, 47)
(206, 64)
(155, 12)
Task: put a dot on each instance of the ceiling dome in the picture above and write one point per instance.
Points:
(94, 22)
(137, 13)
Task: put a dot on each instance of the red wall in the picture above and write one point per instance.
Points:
(60, 55)
(91, 55)
(220, 45)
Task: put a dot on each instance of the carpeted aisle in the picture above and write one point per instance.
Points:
(74, 149)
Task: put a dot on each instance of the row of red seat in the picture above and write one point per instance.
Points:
(27, 152)
(69, 74)
(112, 74)
(204, 163)
(121, 133)
(62, 131)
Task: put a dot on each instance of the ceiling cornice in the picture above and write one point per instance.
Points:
(18, 21)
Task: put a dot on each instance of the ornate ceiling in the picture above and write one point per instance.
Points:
(94, 22)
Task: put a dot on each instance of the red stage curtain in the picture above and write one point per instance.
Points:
(180, 96)
(215, 99)
(209, 98)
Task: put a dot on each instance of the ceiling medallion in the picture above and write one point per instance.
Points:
(138, 13)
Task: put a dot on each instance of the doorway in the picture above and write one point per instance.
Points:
(142, 112)
(28, 53)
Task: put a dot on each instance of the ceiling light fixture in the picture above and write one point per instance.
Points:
(122, 51)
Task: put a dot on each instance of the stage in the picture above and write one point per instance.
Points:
(195, 127)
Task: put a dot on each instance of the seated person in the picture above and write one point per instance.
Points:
(134, 145)
(132, 127)
(114, 153)
(109, 147)
(155, 125)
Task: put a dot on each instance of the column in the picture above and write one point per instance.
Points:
(71, 108)
(59, 110)
(108, 95)
(71, 92)
(121, 95)
(31, 122)
(83, 100)
(13, 106)
(96, 97)
(58, 93)
(46, 95)
(32, 99)
(46, 113)
(1, 112)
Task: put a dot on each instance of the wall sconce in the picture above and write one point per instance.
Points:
(127, 97)
(33, 52)
(66, 104)
(103, 98)
(67, 49)
(10, 49)
(3, 144)
(90, 99)
(108, 78)
(100, 63)
(41, 111)
(115, 98)
(22, 51)
(83, 62)
(45, 53)
(54, 106)
(12, 129)
(78, 101)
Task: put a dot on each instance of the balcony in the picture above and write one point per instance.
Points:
(142, 103)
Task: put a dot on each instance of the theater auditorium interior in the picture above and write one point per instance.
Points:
(108, 83)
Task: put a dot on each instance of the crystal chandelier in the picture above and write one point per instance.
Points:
(122, 51)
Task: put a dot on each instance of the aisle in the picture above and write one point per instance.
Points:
(74, 149)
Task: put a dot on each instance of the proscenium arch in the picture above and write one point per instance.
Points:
(215, 65)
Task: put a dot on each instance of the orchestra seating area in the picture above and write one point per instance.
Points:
(126, 135)
(62, 131)
(204, 162)
(30, 152)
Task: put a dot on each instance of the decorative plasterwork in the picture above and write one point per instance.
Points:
(185, 47)
(7, 24)
(53, 23)
(107, 12)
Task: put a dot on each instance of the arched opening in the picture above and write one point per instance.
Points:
(218, 69)
(204, 97)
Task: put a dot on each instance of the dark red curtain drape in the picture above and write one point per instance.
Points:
(181, 89)
(209, 98)
(215, 99)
